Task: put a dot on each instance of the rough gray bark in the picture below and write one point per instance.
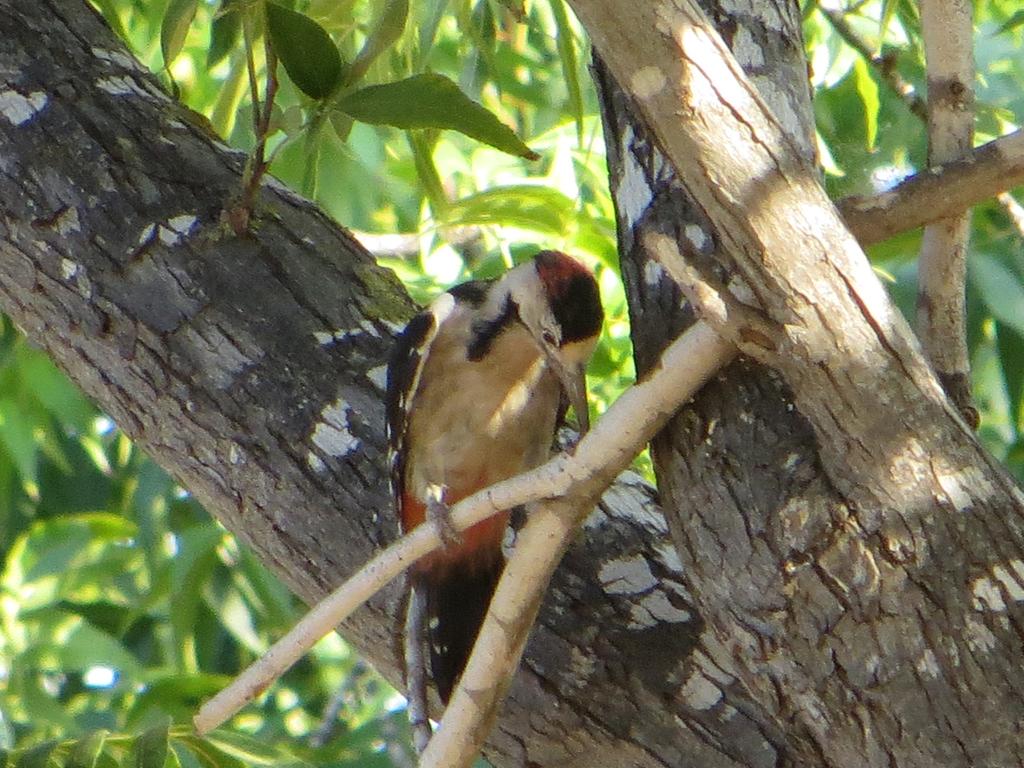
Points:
(872, 622)
(252, 370)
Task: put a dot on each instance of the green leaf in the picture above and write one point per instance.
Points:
(539, 209)
(53, 390)
(177, 695)
(192, 566)
(86, 750)
(867, 88)
(37, 756)
(177, 20)
(309, 55)
(1010, 345)
(426, 172)
(388, 29)
(150, 748)
(86, 646)
(432, 101)
(570, 67)
(427, 18)
(1012, 23)
(888, 9)
(223, 34)
(247, 749)
(111, 13)
(196, 752)
(1000, 289)
(16, 435)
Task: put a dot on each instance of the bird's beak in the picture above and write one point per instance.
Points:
(574, 382)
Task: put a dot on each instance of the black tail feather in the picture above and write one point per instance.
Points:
(457, 602)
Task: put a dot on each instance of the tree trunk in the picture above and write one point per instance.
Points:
(871, 616)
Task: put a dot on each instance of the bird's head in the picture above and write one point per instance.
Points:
(560, 305)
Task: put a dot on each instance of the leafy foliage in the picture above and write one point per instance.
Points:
(122, 605)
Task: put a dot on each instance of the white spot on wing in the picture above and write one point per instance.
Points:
(653, 272)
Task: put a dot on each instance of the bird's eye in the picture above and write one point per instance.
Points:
(549, 338)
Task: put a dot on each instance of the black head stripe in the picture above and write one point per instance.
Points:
(473, 293)
(486, 331)
(577, 308)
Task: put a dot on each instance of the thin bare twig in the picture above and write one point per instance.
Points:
(1014, 210)
(884, 64)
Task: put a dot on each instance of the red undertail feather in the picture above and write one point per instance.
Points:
(459, 582)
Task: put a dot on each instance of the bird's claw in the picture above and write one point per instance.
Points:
(440, 515)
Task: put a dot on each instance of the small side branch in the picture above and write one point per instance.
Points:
(884, 65)
(947, 29)
(939, 192)
(1014, 210)
(495, 658)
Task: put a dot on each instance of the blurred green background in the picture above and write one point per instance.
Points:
(122, 604)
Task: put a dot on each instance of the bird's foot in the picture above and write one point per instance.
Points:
(440, 515)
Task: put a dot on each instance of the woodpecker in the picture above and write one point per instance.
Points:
(477, 385)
